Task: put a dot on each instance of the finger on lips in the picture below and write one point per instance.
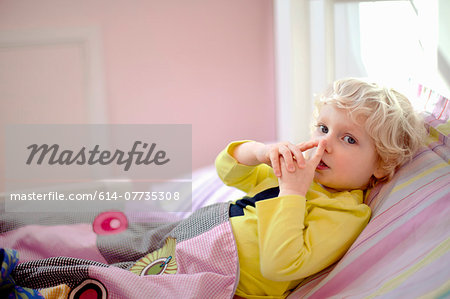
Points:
(320, 150)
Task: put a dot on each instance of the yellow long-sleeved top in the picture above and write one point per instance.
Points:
(283, 239)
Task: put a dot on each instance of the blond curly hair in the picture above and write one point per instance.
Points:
(397, 130)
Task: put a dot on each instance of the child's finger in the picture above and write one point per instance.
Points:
(298, 155)
(307, 145)
(283, 168)
(288, 160)
(275, 161)
(315, 160)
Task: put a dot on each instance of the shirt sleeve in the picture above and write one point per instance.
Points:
(241, 176)
(295, 243)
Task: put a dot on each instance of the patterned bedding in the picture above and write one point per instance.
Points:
(61, 260)
(404, 252)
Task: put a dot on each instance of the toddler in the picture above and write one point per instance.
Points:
(302, 214)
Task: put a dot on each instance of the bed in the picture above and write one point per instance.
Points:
(404, 252)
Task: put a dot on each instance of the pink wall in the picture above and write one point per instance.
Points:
(208, 63)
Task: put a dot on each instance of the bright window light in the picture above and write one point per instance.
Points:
(399, 42)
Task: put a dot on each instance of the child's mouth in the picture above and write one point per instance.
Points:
(322, 165)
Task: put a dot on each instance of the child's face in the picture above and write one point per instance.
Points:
(350, 158)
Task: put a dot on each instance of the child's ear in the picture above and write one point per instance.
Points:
(380, 172)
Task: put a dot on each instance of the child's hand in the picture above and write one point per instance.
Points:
(271, 154)
(299, 180)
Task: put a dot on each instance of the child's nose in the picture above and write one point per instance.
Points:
(328, 145)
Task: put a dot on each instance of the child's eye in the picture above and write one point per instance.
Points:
(323, 129)
(349, 140)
